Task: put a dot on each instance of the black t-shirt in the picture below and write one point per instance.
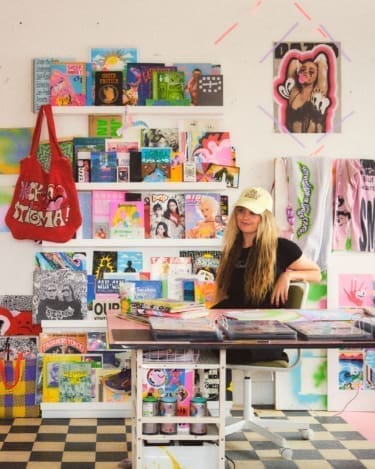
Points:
(287, 253)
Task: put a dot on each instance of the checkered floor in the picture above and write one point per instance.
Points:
(103, 443)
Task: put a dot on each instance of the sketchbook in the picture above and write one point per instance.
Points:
(329, 330)
(195, 330)
(255, 329)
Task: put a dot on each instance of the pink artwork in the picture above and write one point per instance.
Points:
(356, 290)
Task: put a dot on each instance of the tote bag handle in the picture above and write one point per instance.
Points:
(45, 111)
(17, 373)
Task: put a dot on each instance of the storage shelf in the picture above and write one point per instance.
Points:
(86, 409)
(142, 110)
(74, 325)
(128, 243)
(152, 186)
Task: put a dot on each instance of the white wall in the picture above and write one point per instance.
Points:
(172, 30)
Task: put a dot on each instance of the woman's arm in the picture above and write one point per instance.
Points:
(303, 269)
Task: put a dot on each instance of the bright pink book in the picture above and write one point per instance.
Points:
(127, 220)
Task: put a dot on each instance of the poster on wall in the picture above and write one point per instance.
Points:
(356, 290)
(14, 145)
(354, 199)
(307, 87)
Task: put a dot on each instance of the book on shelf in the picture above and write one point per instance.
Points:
(329, 330)
(210, 147)
(120, 145)
(41, 72)
(109, 88)
(62, 342)
(210, 90)
(59, 294)
(257, 329)
(101, 201)
(192, 72)
(141, 289)
(126, 220)
(151, 312)
(114, 385)
(167, 102)
(203, 215)
(82, 148)
(100, 308)
(103, 262)
(166, 210)
(85, 205)
(204, 262)
(103, 166)
(11, 346)
(162, 267)
(138, 82)
(198, 329)
(53, 260)
(129, 261)
(75, 382)
(68, 82)
(168, 84)
(97, 340)
(156, 164)
(105, 126)
(165, 305)
(212, 172)
(112, 58)
(135, 166)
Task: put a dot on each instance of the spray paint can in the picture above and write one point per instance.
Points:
(150, 408)
(168, 406)
(198, 408)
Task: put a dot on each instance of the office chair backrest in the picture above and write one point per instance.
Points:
(297, 295)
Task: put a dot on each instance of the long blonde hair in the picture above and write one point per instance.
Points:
(260, 264)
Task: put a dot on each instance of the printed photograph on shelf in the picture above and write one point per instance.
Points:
(129, 261)
(59, 294)
(167, 215)
(307, 87)
(103, 262)
(193, 71)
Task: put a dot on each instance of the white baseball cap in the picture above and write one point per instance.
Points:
(255, 199)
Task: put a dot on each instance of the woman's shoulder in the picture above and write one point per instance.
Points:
(284, 243)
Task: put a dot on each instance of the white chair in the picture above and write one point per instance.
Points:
(250, 422)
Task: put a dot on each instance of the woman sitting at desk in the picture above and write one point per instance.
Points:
(257, 266)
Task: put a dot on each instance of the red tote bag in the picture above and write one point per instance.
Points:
(45, 205)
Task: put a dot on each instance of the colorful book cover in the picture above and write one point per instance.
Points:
(68, 84)
(210, 147)
(75, 382)
(102, 262)
(82, 148)
(108, 88)
(203, 215)
(168, 84)
(164, 266)
(138, 82)
(96, 340)
(102, 305)
(192, 71)
(103, 166)
(114, 385)
(59, 294)
(167, 215)
(85, 205)
(144, 288)
(62, 342)
(112, 58)
(210, 91)
(101, 200)
(126, 220)
(211, 172)
(156, 164)
(105, 126)
(106, 286)
(130, 261)
(53, 260)
(204, 262)
(120, 145)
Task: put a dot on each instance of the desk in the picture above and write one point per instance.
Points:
(132, 335)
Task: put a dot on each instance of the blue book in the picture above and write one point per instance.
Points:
(150, 289)
(156, 163)
(85, 205)
(103, 166)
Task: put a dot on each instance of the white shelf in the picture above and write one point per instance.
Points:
(152, 186)
(142, 110)
(86, 409)
(139, 243)
(74, 325)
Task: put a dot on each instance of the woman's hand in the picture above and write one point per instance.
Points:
(280, 292)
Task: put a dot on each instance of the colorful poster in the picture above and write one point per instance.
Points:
(356, 290)
(6, 193)
(307, 87)
(14, 145)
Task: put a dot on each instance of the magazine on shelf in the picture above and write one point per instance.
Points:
(329, 330)
(195, 330)
(257, 329)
